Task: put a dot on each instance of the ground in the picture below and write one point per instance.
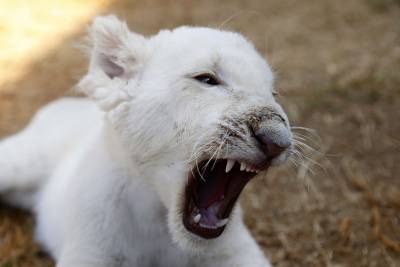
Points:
(338, 72)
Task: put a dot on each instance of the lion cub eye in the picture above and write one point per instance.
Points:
(207, 79)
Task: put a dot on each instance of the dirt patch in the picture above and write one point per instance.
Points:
(338, 66)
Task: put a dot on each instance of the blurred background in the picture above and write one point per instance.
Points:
(338, 72)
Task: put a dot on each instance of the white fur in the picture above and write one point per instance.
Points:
(106, 183)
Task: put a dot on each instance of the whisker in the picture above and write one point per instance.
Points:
(301, 143)
(303, 128)
(217, 151)
(305, 132)
(314, 140)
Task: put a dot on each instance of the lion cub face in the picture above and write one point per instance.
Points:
(194, 109)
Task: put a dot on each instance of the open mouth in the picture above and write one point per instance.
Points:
(211, 193)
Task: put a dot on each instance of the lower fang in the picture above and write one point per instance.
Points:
(197, 218)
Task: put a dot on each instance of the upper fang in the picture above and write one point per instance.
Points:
(242, 166)
(229, 165)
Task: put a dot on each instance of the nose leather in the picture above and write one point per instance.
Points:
(271, 148)
(273, 136)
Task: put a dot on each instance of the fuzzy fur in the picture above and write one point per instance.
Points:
(106, 176)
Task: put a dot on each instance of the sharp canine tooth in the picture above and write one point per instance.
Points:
(242, 166)
(229, 165)
(197, 218)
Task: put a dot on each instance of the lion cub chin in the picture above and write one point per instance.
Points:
(148, 169)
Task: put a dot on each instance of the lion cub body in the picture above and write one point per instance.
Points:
(106, 176)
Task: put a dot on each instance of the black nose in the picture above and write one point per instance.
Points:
(271, 147)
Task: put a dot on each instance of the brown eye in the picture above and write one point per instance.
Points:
(207, 79)
(275, 93)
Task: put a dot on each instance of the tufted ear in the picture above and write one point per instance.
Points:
(116, 56)
(116, 51)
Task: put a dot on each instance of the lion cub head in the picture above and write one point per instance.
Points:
(195, 113)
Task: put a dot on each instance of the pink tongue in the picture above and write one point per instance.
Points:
(209, 215)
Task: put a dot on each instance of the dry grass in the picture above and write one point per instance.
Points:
(338, 66)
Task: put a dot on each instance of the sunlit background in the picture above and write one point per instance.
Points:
(29, 29)
(338, 71)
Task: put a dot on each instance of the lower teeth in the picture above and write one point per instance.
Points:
(222, 222)
(219, 224)
(197, 218)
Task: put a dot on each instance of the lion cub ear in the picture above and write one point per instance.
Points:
(117, 55)
(116, 51)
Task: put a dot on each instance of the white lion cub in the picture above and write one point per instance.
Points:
(148, 172)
